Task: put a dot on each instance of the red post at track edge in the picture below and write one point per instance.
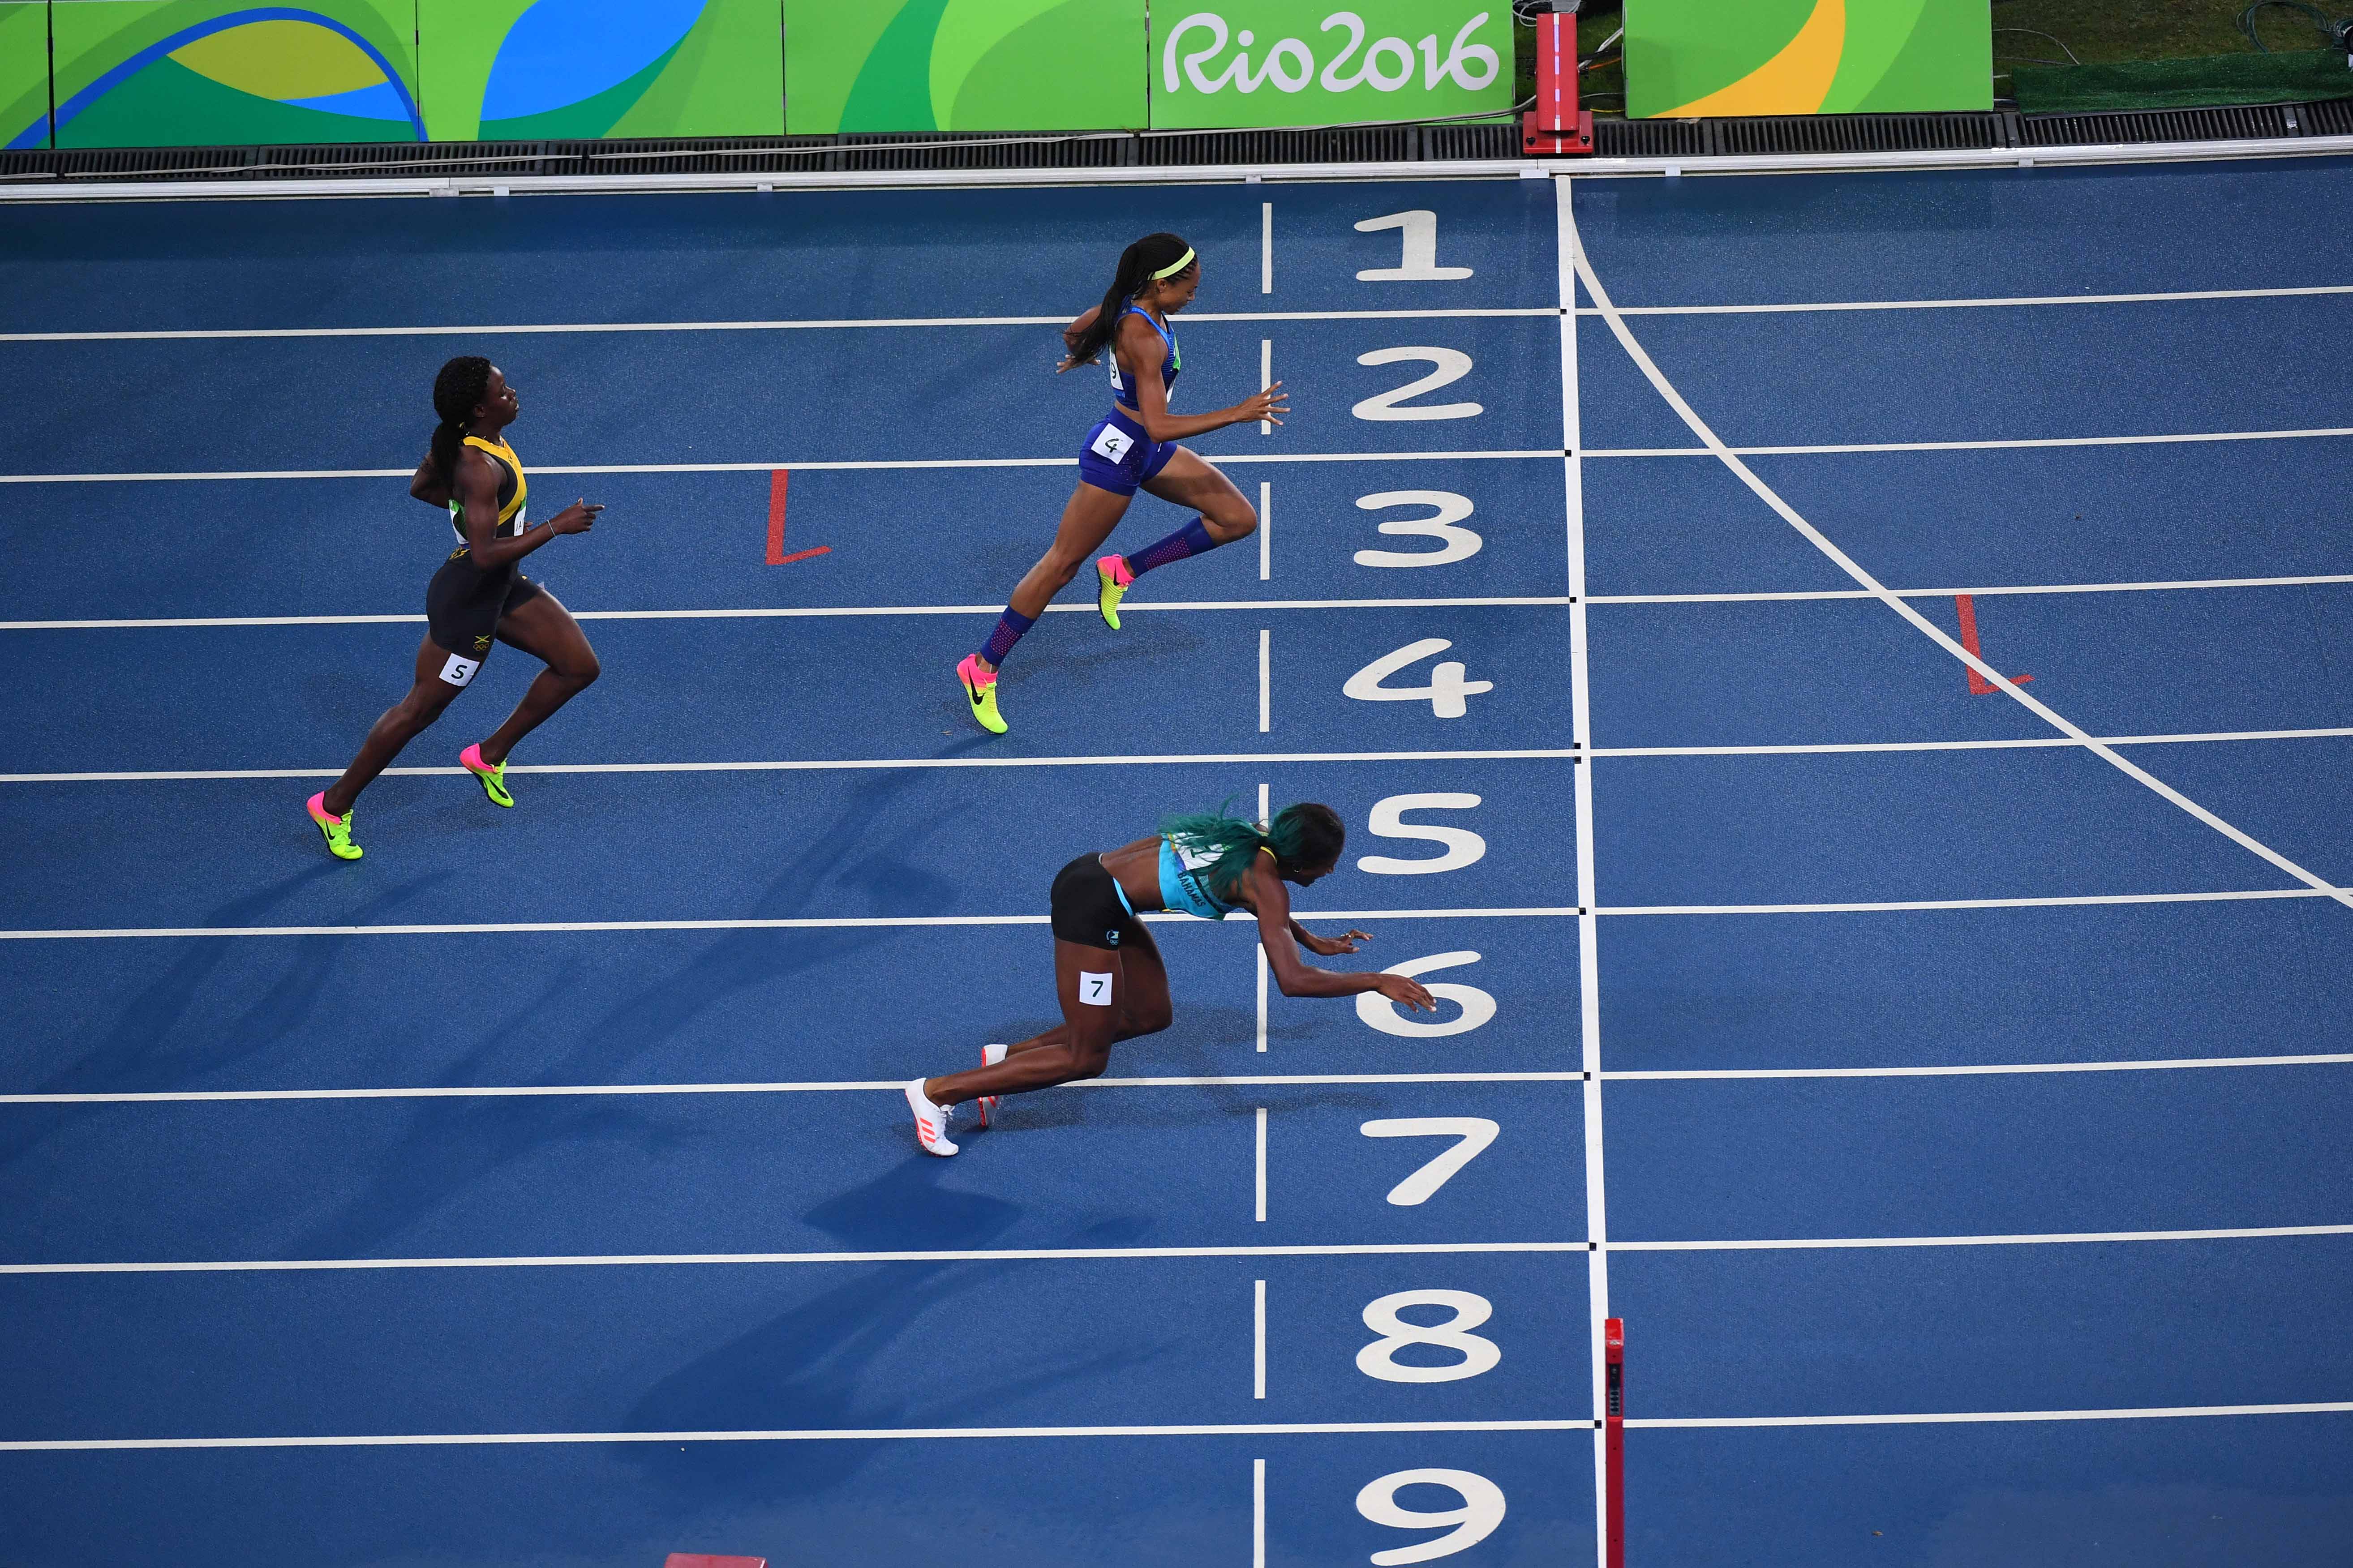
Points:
(1556, 124)
(1613, 1441)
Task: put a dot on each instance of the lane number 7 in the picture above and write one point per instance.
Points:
(1475, 1133)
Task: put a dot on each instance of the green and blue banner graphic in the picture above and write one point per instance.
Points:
(1100, 65)
(25, 69)
(964, 64)
(1689, 59)
(163, 73)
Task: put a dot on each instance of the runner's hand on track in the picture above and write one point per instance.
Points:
(1269, 405)
(1333, 946)
(1405, 992)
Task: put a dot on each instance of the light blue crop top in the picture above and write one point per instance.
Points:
(1183, 885)
(1122, 391)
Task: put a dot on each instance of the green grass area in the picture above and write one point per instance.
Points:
(2097, 32)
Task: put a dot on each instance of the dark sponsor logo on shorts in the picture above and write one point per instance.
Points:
(1111, 939)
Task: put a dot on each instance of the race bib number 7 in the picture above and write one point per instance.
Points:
(1094, 990)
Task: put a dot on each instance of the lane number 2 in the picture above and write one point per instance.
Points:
(1454, 543)
(1447, 690)
(1451, 365)
(1482, 1511)
(1473, 1133)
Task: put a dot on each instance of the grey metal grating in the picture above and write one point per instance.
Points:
(1857, 133)
(2226, 124)
(2333, 118)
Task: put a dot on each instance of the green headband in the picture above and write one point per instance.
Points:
(1175, 267)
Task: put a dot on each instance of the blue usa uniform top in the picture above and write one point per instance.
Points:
(1122, 388)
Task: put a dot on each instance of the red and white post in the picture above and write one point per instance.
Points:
(1555, 125)
(1613, 1439)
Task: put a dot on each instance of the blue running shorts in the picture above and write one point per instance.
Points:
(1119, 458)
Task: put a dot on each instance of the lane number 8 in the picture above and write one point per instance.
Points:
(1479, 1355)
(1482, 1511)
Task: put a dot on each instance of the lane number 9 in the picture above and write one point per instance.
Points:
(1482, 1511)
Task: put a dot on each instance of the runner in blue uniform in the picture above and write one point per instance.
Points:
(1133, 447)
(1107, 969)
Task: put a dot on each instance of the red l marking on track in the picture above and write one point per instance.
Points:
(779, 481)
(1978, 685)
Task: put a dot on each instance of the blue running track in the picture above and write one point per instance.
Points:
(1973, 1057)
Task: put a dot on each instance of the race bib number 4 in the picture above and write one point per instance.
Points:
(1113, 444)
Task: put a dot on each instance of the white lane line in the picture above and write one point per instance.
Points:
(1265, 680)
(803, 765)
(2033, 743)
(1935, 1418)
(878, 922)
(2003, 302)
(777, 1259)
(1266, 377)
(2032, 588)
(1589, 930)
(855, 922)
(821, 612)
(846, 323)
(1266, 247)
(2004, 445)
(1233, 1080)
(1988, 1070)
(1130, 1254)
(1797, 749)
(1261, 1165)
(1266, 530)
(1258, 1347)
(1920, 623)
(1265, 572)
(1807, 1244)
(817, 1435)
(1258, 1513)
(827, 1086)
(765, 466)
(1909, 906)
(1303, 1428)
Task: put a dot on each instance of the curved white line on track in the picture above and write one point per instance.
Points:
(1920, 623)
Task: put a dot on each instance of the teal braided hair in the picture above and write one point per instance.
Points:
(1301, 836)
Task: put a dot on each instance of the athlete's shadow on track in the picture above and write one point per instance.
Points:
(808, 1369)
(138, 1052)
(852, 864)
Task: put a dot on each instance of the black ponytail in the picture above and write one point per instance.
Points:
(1138, 264)
(458, 391)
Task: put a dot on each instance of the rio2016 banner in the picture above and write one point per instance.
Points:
(1281, 62)
(167, 73)
(1690, 59)
(1090, 65)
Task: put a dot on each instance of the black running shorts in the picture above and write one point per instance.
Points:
(1086, 905)
(463, 605)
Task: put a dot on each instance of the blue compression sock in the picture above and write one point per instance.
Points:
(1192, 538)
(1009, 627)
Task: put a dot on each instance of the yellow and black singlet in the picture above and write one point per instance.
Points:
(515, 491)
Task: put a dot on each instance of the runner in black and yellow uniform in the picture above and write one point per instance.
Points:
(478, 596)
